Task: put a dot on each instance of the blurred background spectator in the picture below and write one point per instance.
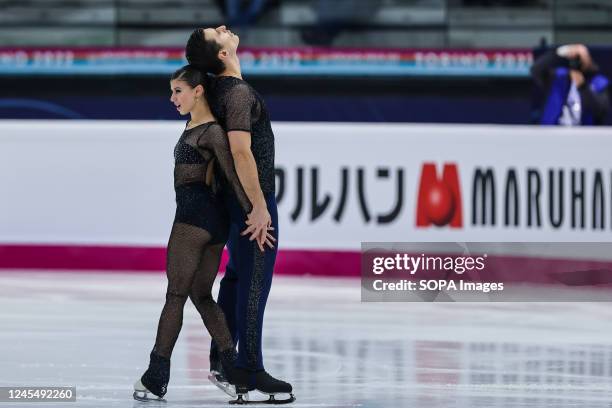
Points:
(446, 61)
(576, 93)
(243, 13)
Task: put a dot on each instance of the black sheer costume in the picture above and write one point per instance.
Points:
(227, 97)
(198, 234)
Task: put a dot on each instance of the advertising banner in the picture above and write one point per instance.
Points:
(337, 185)
(272, 61)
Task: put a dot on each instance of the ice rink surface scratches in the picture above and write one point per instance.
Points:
(95, 330)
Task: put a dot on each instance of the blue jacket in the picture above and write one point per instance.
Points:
(552, 73)
(559, 90)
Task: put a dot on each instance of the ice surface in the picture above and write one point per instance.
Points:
(95, 330)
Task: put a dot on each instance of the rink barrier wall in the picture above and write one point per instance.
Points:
(153, 259)
(98, 194)
(510, 269)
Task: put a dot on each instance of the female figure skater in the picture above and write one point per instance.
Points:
(199, 232)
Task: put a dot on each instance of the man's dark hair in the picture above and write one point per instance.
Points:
(203, 54)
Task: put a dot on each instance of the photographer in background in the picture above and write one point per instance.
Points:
(576, 93)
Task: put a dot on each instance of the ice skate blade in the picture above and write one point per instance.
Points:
(142, 396)
(272, 400)
(223, 386)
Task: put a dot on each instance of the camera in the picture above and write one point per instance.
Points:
(575, 63)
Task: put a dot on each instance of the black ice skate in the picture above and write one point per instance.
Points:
(278, 392)
(153, 384)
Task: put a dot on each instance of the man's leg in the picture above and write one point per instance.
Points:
(255, 269)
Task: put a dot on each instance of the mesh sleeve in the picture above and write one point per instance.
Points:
(216, 140)
(238, 106)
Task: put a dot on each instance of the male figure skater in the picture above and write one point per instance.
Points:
(245, 287)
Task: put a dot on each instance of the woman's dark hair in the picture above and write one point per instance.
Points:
(203, 54)
(194, 77)
(191, 75)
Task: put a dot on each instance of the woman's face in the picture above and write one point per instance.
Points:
(183, 96)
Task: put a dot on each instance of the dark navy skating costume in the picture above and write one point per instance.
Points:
(245, 287)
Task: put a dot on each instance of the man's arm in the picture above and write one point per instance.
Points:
(259, 219)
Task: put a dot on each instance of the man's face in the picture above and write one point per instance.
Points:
(222, 36)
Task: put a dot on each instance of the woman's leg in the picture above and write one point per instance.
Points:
(185, 251)
(183, 258)
(211, 313)
(227, 299)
